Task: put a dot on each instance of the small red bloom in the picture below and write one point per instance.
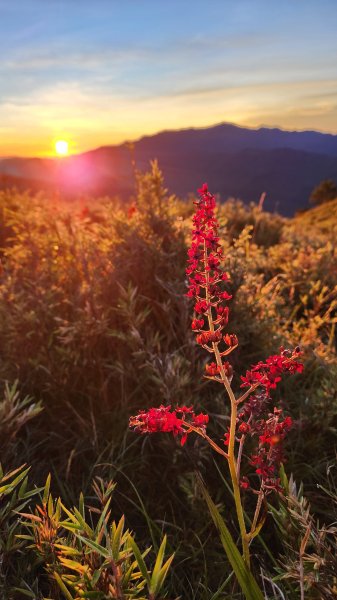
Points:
(209, 337)
(225, 296)
(222, 311)
(228, 369)
(244, 428)
(244, 483)
(203, 189)
(201, 306)
(200, 420)
(231, 340)
(197, 324)
(212, 369)
(226, 438)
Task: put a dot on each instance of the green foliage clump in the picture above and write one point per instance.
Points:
(82, 552)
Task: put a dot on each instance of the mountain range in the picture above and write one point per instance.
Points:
(235, 161)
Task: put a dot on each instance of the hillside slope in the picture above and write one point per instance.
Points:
(321, 219)
(235, 161)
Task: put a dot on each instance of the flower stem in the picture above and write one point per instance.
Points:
(206, 437)
(257, 512)
(231, 447)
(232, 460)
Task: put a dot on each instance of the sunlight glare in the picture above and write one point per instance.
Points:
(61, 147)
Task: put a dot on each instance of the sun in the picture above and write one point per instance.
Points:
(61, 147)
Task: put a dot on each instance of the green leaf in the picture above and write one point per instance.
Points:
(62, 586)
(11, 473)
(78, 521)
(162, 574)
(46, 490)
(93, 545)
(284, 479)
(81, 505)
(243, 574)
(9, 487)
(157, 566)
(84, 525)
(140, 560)
(103, 519)
(50, 506)
(23, 488)
(116, 542)
(217, 595)
(25, 592)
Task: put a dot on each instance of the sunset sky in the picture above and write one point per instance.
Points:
(97, 72)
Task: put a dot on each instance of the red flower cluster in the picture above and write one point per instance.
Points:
(269, 456)
(268, 373)
(269, 433)
(176, 421)
(255, 406)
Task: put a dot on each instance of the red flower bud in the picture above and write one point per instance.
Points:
(231, 340)
(244, 428)
(197, 324)
(244, 483)
(212, 369)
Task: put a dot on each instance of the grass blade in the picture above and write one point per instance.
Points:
(244, 576)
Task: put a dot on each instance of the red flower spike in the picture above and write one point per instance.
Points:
(205, 272)
(271, 433)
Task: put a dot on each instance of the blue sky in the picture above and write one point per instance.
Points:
(103, 71)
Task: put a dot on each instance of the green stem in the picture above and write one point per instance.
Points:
(232, 460)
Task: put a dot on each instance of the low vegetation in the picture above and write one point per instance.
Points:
(95, 327)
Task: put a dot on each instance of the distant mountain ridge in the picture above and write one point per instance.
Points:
(235, 161)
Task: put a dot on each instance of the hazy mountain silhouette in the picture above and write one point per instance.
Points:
(235, 161)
